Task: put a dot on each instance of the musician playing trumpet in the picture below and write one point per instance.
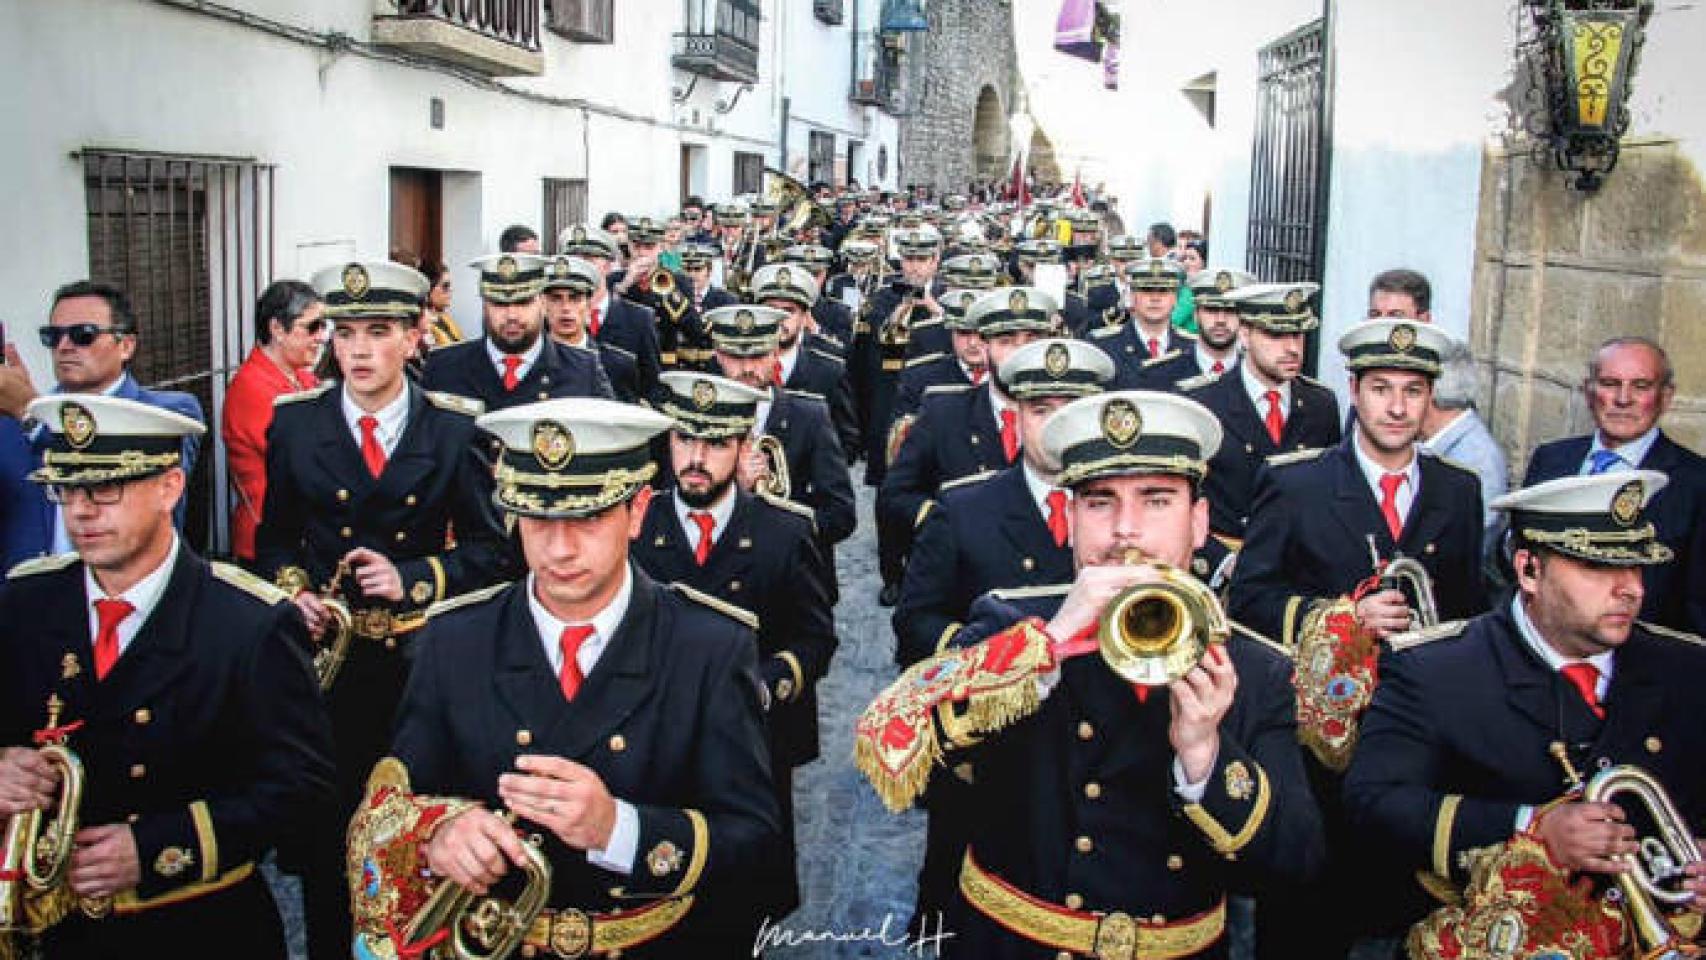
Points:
(1113, 816)
(1480, 727)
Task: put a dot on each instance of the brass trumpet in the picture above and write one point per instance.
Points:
(661, 282)
(331, 652)
(37, 855)
(775, 481)
(1154, 633)
(1409, 571)
(1653, 880)
(483, 928)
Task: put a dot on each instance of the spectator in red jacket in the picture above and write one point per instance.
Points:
(290, 332)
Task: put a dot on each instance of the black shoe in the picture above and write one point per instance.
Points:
(890, 595)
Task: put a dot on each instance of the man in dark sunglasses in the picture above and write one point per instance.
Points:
(91, 338)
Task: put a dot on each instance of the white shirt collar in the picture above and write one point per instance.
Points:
(1258, 391)
(1206, 360)
(392, 417)
(789, 359)
(1040, 488)
(720, 513)
(143, 595)
(528, 358)
(604, 624)
(970, 374)
(997, 400)
(1372, 472)
(1549, 655)
(1632, 452)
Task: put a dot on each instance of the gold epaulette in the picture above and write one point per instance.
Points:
(782, 503)
(1200, 380)
(1250, 634)
(247, 582)
(1155, 361)
(966, 480)
(1673, 633)
(463, 600)
(807, 395)
(616, 349)
(932, 322)
(48, 564)
(1295, 456)
(1023, 593)
(1400, 642)
(826, 354)
(727, 609)
(455, 403)
(1466, 468)
(920, 361)
(1305, 378)
(950, 388)
(307, 394)
(1107, 331)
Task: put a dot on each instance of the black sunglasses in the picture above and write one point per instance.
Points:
(81, 334)
(313, 326)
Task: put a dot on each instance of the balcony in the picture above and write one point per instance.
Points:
(877, 71)
(721, 40)
(498, 38)
(583, 21)
(827, 11)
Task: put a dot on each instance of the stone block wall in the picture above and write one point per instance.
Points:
(968, 47)
(1558, 271)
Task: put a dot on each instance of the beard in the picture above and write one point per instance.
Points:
(520, 344)
(712, 493)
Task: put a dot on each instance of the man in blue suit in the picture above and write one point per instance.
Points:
(1629, 386)
(91, 335)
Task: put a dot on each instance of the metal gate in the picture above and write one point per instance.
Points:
(1289, 164)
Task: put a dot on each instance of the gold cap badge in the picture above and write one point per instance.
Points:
(553, 444)
(1403, 338)
(78, 424)
(704, 394)
(1122, 424)
(1057, 360)
(356, 281)
(1626, 506)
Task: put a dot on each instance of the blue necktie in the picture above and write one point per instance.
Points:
(1603, 460)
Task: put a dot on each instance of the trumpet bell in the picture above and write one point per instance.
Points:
(483, 928)
(333, 650)
(1152, 634)
(776, 480)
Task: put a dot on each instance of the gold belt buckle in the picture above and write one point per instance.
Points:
(1116, 937)
(373, 623)
(571, 933)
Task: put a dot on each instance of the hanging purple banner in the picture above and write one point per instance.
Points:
(1075, 30)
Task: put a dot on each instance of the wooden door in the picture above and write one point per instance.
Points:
(417, 216)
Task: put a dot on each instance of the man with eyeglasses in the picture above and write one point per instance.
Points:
(182, 687)
(91, 335)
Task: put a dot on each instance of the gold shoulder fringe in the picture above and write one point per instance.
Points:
(247, 582)
(463, 600)
(455, 403)
(48, 564)
(723, 607)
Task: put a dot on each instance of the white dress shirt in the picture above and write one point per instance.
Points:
(618, 853)
(1164, 339)
(1629, 454)
(143, 595)
(1372, 472)
(1206, 360)
(789, 359)
(530, 357)
(1040, 489)
(393, 419)
(998, 402)
(1555, 661)
(1258, 392)
(720, 513)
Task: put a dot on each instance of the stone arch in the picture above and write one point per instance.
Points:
(1042, 162)
(989, 135)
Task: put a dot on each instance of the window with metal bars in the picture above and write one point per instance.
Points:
(565, 206)
(749, 173)
(820, 149)
(189, 240)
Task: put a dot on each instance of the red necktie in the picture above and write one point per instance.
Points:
(776, 372)
(592, 324)
(1276, 419)
(1154, 347)
(1389, 484)
(1583, 676)
(1220, 368)
(707, 524)
(1009, 435)
(371, 451)
(977, 375)
(511, 364)
(108, 615)
(1057, 516)
(571, 677)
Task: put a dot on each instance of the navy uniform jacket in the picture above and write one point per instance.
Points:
(633, 328)
(1676, 591)
(1076, 313)
(1457, 739)
(979, 536)
(816, 465)
(875, 369)
(1166, 373)
(1308, 538)
(922, 373)
(1311, 421)
(955, 436)
(467, 370)
(716, 297)
(623, 370)
(1130, 351)
(685, 332)
(821, 373)
(1093, 763)
(766, 562)
(208, 737)
(834, 320)
(669, 719)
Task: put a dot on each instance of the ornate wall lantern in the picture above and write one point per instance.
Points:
(1588, 52)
